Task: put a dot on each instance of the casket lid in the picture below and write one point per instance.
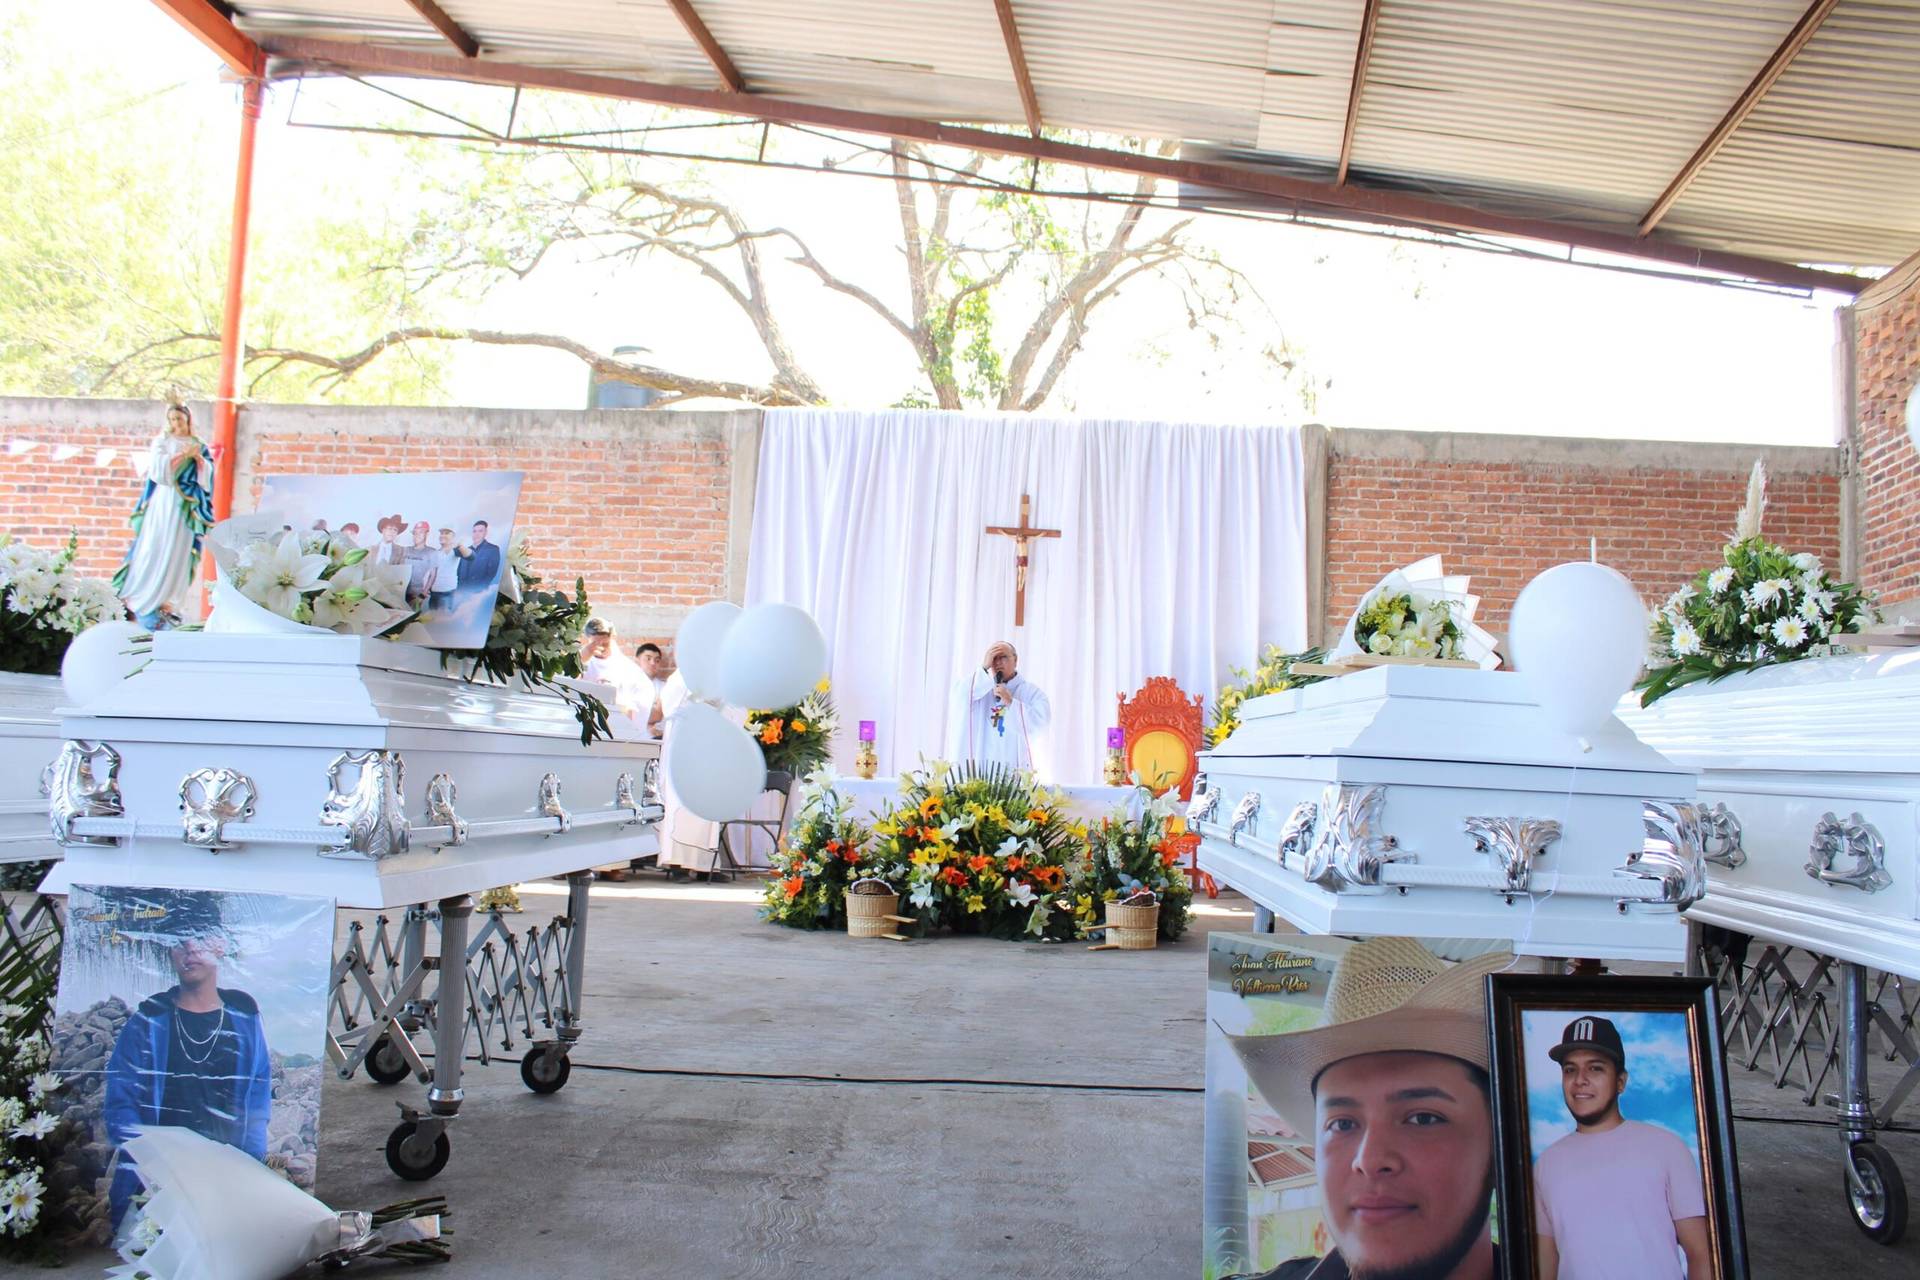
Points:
(1855, 713)
(1428, 713)
(319, 680)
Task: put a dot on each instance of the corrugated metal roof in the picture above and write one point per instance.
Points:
(1575, 111)
(1829, 162)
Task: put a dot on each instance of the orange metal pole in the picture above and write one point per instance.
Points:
(225, 410)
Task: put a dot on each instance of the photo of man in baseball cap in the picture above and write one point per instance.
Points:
(1616, 1199)
(1392, 1090)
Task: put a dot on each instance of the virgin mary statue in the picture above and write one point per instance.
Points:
(174, 513)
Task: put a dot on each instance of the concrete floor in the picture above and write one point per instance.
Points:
(756, 1102)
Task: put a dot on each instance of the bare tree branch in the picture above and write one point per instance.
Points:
(337, 369)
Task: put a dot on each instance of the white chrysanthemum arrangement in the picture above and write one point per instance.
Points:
(28, 1130)
(1761, 605)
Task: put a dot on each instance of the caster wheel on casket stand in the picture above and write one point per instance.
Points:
(1879, 1203)
(385, 1064)
(545, 1072)
(412, 1157)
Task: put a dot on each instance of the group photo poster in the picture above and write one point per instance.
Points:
(451, 529)
(193, 1008)
(1349, 1116)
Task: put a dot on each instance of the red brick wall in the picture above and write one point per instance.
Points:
(643, 520)
(1886, 340)
(638, 505)
(1504, 522)
(42, 500)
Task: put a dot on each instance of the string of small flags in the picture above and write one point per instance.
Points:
(102, 457)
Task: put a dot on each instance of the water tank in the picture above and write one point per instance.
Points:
(604, 393)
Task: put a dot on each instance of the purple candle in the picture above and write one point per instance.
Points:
(1116, 739)
(866, 731)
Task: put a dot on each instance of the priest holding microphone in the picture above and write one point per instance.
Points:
(997, 713)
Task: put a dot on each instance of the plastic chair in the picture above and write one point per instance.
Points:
(779, 783)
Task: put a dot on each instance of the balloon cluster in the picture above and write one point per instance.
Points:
(768, 656)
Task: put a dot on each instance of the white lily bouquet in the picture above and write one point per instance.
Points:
(272, 578)
(1419, 611)
(47, 604)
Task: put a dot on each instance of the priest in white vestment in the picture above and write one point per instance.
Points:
(997, 713)
(688, 842)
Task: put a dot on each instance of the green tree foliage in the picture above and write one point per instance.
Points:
(114, 229)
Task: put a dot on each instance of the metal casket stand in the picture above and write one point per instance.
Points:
(1810, 804)
(281, 765)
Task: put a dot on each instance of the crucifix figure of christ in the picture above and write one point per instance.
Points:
(1023, 536)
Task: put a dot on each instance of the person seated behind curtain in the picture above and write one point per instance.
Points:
(602, 660)
(653, 661)
(194, 1055)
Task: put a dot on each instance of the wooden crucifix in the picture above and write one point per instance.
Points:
(1022, 536)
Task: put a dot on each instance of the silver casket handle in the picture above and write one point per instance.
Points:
(1856, 845)
(1720, 838)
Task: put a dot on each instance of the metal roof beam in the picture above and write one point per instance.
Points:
(729, 74)
(214, 29)
(1010, 32)
(1742, 107)
(455, 33)
(1363, 54)
(1281, 190)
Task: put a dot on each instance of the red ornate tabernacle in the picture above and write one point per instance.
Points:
(1163, 728)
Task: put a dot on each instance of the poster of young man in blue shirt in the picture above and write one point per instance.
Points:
(194, 1055)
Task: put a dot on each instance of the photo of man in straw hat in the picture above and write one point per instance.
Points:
(1392, 1090)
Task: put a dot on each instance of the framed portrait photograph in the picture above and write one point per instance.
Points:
(1349, 1113)
(1615, 1130)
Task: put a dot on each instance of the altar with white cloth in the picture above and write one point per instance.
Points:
(1104, 551)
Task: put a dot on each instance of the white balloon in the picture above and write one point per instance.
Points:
(697, 645)
(773, 657)
(1579, 639)
(714, 766)
(97, 660)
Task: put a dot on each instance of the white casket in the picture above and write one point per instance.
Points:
(1810, 799)
(1435, 802)
(336, 766)
(29, 739)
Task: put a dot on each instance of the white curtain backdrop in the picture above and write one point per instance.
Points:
(1182, 551)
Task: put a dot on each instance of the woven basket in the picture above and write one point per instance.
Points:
(1133, 927)
(869, 915)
